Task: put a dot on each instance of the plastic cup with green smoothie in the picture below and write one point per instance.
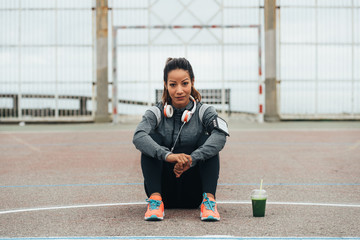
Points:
(258, 199)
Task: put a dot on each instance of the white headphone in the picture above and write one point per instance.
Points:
(169, 111)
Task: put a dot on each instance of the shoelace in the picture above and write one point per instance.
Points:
(154, 204)
(209, 204)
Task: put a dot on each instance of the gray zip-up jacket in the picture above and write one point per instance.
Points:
(155, 135)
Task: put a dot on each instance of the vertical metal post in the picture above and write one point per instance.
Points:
(114, 77)
(102, 101)
(114, 69)
(222, 61)
(316, 58)
(260, 82)
(278, 59)
(149, 53)
(271, 109)
(56, 63)
(93, 43)
(352, 60)
(19, 83)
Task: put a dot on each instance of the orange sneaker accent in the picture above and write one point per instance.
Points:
(209, 210)
(155, 209)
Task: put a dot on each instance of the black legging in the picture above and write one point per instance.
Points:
(183, 192)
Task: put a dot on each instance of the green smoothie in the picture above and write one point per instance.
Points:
(258, 206)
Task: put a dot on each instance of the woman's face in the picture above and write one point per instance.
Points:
(179, 87)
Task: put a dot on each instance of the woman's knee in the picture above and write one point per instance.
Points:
(149, 163)
(212, 163)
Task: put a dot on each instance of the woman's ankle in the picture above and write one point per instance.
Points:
(156, 196)
(210, 195)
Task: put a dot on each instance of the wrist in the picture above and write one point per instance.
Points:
(167, 155)
(193, 163)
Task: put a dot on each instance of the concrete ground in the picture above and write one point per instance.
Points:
(84, 181)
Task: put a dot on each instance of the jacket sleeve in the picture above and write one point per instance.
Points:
(214, 143)
(144, 142)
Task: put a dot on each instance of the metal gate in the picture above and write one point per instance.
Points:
(222, 42)
(46, 60)
(319, 59)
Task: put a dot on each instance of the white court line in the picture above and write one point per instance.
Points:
(143, 203)
(71, 206)
(206, 237)
(25, 143)
(295, 203)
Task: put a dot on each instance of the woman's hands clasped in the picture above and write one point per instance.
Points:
(182, 162)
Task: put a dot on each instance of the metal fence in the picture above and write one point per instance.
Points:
(319, 59)
(46, 60)
(47, 55)
(223, 44)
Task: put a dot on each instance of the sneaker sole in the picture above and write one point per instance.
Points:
(154, 218)
(209, 218)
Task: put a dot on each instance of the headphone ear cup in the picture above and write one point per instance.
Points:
(186, 116)
(168, 111)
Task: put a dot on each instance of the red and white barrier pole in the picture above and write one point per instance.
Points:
(261, 85)
(114, 80)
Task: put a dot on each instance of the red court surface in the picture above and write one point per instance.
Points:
(84, 182)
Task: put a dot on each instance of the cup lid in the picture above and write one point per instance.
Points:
(260, 194)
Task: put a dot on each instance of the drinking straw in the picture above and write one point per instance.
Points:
(261, 185)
